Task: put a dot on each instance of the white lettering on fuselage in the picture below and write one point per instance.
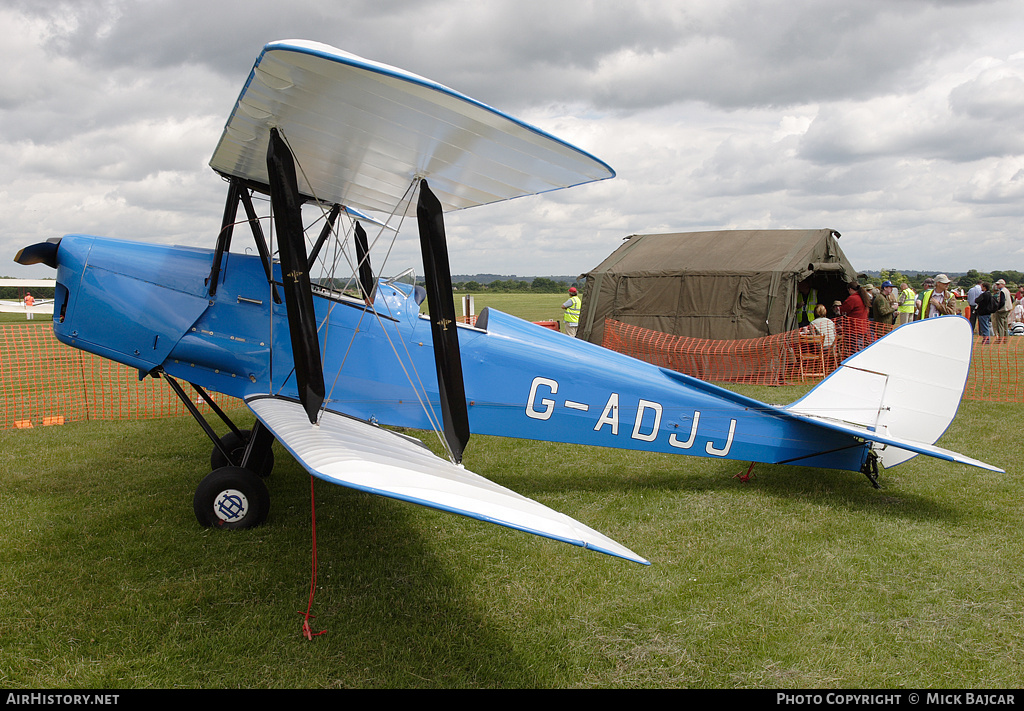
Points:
(674, 441)
(653, 434)
(646, 425)
(549, 405)
(610, 416)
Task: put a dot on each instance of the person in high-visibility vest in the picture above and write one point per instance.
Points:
(906, 304)
(572, 312)
(29, 303)
(806, 303)
(937, 300)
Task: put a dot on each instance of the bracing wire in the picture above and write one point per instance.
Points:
(413, 377)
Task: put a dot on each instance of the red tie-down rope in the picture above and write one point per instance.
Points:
(306, 616)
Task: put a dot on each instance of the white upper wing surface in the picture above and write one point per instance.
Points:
(361, 131)
(356, 454)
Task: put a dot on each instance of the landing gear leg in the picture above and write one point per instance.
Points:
(233, 495)
(870, 469)
(245, 448)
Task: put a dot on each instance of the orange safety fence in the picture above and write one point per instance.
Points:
(794, 356)
(44, 382)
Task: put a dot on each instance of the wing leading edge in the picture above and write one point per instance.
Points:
(362, 456)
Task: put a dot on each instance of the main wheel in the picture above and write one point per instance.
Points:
(230, 498)
(235, 446)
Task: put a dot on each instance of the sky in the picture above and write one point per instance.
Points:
(898, 123)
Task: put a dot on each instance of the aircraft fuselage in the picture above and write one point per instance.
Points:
(149, 307)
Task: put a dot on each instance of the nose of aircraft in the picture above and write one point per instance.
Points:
(41, 253)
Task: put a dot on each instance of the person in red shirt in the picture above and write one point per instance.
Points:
(856, 308)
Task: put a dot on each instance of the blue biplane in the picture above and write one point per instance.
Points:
(324, 363)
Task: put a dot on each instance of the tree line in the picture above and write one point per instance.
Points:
(12, 293)
(540, 285)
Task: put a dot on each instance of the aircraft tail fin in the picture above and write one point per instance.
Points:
(905, 386)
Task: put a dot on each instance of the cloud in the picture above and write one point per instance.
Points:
(895, 123)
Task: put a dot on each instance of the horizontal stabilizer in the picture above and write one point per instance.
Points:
(881, 437)
(362, 456)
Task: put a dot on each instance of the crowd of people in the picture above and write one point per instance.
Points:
(993, 311)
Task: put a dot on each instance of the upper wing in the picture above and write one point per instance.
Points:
(356, 454)
(362, 131)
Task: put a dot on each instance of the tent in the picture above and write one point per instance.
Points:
(720, 285)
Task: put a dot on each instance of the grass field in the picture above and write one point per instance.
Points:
(20, 318)
(532, 307)
(798, 578)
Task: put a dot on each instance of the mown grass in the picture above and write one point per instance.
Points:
(20, 318)
(798, 578)
(532, 307)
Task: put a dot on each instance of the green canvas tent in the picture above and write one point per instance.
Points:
(721, 285)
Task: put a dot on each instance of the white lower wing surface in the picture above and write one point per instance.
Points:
(361, 456)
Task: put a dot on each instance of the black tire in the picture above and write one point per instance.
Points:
(235, 446)
(231, 498)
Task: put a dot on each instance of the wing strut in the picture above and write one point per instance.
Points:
(365, 270)
(261, 242)
(328, 228)
(441, 306)
(227, 227)
(298, 295)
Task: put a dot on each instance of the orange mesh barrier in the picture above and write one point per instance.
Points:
(44, 382)
(792, 357)
(996, 370)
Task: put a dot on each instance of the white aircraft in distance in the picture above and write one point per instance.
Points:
(40, 306)
(325, 363)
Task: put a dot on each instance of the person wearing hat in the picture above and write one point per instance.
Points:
(1002, 304)
(881, 307)
(572, 309)
(938, 301)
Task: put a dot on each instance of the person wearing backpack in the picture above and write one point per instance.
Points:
(983, 307)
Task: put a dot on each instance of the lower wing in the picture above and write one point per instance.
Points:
(362, 456)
